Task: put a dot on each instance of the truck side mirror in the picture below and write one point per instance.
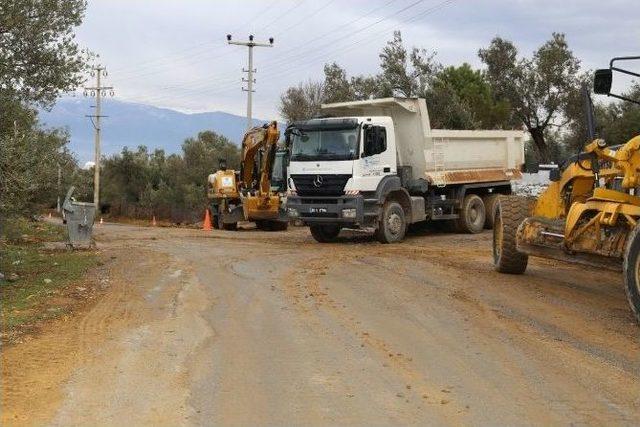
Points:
(602, 81)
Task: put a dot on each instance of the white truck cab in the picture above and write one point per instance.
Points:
(378, 165)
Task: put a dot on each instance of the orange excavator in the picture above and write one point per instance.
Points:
(248, 194)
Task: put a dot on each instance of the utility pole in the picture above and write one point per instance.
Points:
(98, 91)
(250, 80)
(59, 185)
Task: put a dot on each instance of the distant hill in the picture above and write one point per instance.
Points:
(131, 124)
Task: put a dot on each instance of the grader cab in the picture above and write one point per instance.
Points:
(589, 214)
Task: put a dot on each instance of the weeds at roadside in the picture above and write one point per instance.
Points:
(34, 282)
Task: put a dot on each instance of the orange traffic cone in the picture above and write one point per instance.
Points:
(101, 220)
(206, 225)
(153, 221)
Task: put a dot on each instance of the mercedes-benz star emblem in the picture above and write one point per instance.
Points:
(317, 181)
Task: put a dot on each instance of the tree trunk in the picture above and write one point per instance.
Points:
(541, 145)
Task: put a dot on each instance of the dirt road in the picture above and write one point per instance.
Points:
(255, 328)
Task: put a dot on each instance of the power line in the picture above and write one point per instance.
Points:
(181, 53)
(296, 48)
(206, 83)
(279, 17)
(335, 52)
(303, 19)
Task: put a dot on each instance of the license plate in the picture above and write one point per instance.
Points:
(318, 210)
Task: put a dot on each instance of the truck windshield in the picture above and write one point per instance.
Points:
(324, 144)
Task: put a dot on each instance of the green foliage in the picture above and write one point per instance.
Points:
(620, 121)
(457, 97)
(336, 85)
(24, 290)
(539, 89)
(39, 57)
(471, 91)
(140, 184)
(301, 102)
(29, 161)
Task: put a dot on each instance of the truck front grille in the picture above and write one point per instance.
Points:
(320, 185)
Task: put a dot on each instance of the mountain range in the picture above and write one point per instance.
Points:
(131, 124)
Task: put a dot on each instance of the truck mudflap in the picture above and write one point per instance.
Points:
(346, 210)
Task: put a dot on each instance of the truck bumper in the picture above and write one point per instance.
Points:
(345, 210)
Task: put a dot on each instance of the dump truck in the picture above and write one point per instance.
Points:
(589, 214)
(377, 165)
(255, 192)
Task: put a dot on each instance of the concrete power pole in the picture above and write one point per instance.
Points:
(98, 91)
(250, 80)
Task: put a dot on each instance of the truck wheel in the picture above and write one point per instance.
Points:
(393, 225)
(631, 271)
(324, 233)
(510, 212)
(472, 215)
(490, 204)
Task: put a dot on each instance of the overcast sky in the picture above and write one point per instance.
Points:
(174, 53)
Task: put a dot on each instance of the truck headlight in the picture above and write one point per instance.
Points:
(348, 213)
(293, 212)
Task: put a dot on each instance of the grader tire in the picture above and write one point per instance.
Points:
(490, 205)
(510, 213)
(631, 271)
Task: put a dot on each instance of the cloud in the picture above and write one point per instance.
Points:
(174, 53)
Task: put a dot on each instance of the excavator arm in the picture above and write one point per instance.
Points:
(265, 138)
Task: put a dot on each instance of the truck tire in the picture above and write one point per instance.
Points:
(510, 212)
(393, 224)
(472, 215)
(631, 271)
(490, 204)
(324, 233)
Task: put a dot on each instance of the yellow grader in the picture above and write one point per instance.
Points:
(248, 195)
(589, 214)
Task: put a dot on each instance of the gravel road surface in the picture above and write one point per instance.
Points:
(259, 328)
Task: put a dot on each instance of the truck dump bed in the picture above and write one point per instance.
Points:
(442, 156)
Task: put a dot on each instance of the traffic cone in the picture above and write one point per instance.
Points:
(206, 225)
(49, 215)
(101, 220)
(153, 221)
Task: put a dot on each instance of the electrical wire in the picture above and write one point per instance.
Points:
(317, 59)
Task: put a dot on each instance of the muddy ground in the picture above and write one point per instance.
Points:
(258, 328)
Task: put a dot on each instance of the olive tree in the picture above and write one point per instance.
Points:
(537, 88)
